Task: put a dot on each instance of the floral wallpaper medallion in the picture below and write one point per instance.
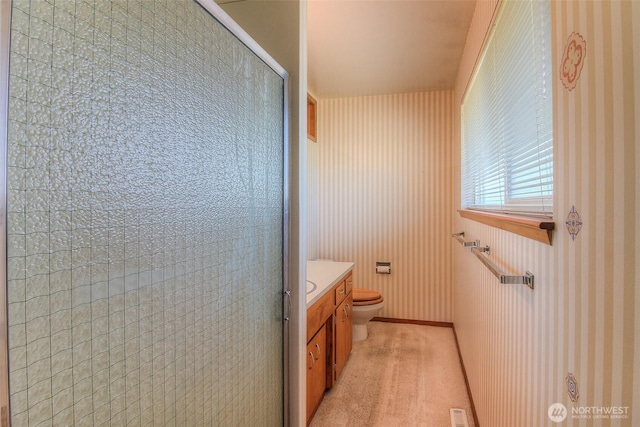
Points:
(572, 60)
(574, 222)
(572, 387)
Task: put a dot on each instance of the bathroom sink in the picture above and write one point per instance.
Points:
(311, 286)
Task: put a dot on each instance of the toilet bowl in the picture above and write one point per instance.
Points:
(366, 304)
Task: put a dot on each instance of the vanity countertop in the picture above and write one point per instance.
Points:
(325, 274)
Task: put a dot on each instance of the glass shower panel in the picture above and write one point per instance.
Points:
(145, 211)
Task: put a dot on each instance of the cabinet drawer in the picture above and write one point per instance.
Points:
(318, 314)
(349, 283)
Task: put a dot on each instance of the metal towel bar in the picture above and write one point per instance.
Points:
(482, 252)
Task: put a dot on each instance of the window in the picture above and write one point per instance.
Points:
(507, 136)
(312, 115)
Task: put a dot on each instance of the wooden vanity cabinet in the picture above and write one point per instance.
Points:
(319, 334)
(329, 334)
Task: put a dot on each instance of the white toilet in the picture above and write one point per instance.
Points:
(366, 304)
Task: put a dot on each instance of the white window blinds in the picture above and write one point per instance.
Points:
(507, 136)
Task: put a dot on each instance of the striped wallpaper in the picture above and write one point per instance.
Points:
(313, 198)
(380, 189)
(384, 186)
(520, 345)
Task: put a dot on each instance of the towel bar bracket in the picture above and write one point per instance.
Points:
(527, 279)
(474, 244)
(467, 244)
(485, 249)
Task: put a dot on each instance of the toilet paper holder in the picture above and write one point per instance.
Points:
(383, 267)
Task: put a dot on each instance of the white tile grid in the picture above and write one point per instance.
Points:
(117, 311)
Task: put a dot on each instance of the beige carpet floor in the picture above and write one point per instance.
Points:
(402, 375)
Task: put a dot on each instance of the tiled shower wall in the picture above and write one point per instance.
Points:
(145, 175)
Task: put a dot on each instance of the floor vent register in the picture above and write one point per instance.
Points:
(458, 417)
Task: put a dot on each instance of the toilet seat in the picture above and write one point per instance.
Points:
(363, 297)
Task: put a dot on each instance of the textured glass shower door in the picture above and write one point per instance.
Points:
(145, 170)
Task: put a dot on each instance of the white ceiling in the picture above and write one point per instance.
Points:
(372, 47)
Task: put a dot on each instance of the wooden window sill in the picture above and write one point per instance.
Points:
(534, 228)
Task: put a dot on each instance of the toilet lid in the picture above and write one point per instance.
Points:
(366, 297)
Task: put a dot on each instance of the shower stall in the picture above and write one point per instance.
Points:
(143, 157)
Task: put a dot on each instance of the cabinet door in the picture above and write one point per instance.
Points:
(348, 338)
(316, 370)
(344, 334)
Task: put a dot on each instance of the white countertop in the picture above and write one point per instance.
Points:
(325, 274)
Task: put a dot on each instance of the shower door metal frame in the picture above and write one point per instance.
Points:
(5, 37)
